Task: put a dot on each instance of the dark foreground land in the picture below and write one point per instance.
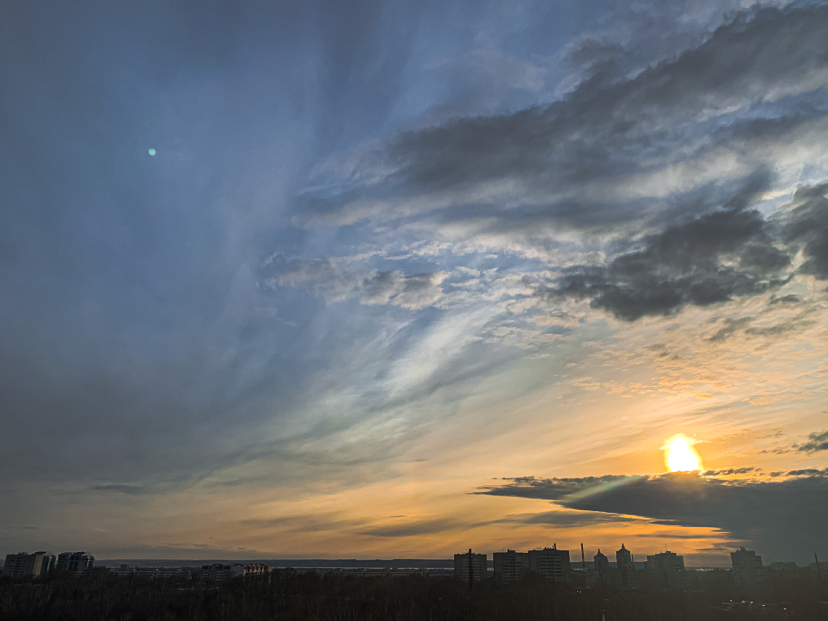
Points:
(288, 595)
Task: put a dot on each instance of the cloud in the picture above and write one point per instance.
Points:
(817, 441)
(563, 518)
(136, 318)
(783, 519)
(554, 489)
(609, 137)
(730, 327)
(121, 488)
(422, 527)
(318, 522)
(496, 70)
(337, 284)
(705, 261)
(808, 226)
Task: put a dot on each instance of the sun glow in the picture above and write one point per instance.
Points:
(679, 454)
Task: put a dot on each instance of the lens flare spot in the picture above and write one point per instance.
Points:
(679, 454)
(151, 151)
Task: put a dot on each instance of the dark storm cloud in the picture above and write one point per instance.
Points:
(781, 518)
(817, 441)
(705, 261)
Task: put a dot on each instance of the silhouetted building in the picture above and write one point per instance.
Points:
(75, 561)
(601, 562)
(219, 573)
(667, 569)
(747, 568)
(626, 569)
(551, 563)
(782, 566)
(622, 576)
(509, 566)
(22, 565)
(623, 559)
(471, 567)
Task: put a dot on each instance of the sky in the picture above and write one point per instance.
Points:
(384, 280)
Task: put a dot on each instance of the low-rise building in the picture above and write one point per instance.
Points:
(257, 569)
(219, 573)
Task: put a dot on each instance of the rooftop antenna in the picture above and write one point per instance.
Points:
(471, 571)
(583, 560)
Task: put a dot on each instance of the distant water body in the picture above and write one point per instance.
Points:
(348, 563)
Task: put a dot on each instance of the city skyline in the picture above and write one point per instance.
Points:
(302, 279)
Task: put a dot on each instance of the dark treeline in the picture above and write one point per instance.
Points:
(288, 595)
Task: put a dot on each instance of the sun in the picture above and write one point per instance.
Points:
(679, 454)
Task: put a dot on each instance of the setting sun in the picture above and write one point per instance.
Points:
(679, 455)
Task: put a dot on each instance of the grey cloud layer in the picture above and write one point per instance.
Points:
(817, 441)
(730, 251)
(782, 518)
(608, 128)
(662, 170)
(704, 261)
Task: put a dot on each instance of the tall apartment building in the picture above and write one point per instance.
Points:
(471, 567)
(22, 565)
(75, 561)
(509, 566)
(551, 563)
(748, 571)
(667, 568)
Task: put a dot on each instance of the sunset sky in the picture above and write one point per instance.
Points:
(399, 279)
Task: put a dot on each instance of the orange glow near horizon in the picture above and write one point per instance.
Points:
(679, 454)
